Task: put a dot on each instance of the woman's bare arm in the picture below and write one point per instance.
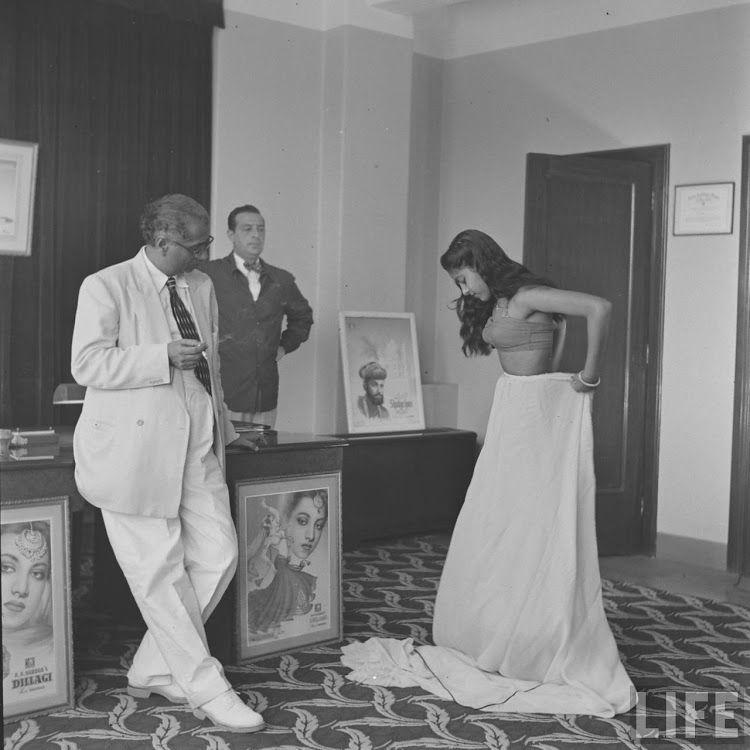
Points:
(596, 310)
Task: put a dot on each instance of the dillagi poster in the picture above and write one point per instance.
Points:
(289, 574)
(382, 381)
(36, 621)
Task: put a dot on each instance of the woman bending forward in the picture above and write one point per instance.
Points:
(519, 624)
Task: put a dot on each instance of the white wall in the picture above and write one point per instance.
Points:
(312, 126)
(683, 81)
(424, 192)
(367, 160)
(267, 153)
(363, 195)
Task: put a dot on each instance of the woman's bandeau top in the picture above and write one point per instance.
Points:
(508, 334)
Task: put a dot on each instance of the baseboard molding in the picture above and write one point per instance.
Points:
(692, 551)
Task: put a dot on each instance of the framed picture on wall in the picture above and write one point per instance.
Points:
(17, 184)
(382, 382)
(289, 570)
(707, 208)
(36, 619)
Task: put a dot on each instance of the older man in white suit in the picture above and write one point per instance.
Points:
(149, 451)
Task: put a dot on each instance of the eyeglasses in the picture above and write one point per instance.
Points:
(198, 248)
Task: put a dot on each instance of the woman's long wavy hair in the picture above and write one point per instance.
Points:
(474, 249)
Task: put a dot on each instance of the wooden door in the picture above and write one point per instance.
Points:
(738, 551)
(588, 227)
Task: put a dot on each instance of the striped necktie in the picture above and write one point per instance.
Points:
(188, 331)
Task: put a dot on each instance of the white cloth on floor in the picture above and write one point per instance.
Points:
(519, 622)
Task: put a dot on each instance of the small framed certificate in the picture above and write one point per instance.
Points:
(707, 208)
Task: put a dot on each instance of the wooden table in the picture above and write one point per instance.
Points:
(45, 478)
(286, 455)
(391, 484)
(21, 480)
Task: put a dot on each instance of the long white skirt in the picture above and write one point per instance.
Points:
(519, 623)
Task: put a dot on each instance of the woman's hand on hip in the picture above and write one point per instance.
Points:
(579, 384)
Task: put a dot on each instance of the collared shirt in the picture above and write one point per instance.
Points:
(160, 284)
(253, 277)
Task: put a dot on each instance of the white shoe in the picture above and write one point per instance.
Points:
(227, 711)
(171, 692)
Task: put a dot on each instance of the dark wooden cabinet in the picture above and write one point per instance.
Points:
(403, 483)
(285, 455)
(391, 484)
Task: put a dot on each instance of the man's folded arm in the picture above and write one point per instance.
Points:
(299, 320)
(97, 360)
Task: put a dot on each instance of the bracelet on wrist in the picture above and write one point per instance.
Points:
(586, 383)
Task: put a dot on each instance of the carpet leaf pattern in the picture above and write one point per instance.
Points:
(672, 646)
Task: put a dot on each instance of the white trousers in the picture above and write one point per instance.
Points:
(178, 568)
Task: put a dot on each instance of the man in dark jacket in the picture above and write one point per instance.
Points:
(254, 299)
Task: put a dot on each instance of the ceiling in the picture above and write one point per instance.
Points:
(411, 7)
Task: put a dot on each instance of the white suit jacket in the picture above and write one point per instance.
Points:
(130, 443)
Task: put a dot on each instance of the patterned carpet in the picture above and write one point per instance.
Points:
(671, 645)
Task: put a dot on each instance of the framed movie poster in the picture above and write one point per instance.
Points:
(382, 382)
(289, 571)
(36, 621)
(17, 183)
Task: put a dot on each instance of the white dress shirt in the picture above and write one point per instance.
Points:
(253, 277)
(160, 284)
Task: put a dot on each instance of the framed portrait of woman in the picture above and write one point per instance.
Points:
(289, 570)
(36, 615)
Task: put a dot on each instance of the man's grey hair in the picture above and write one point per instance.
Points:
(171, 213)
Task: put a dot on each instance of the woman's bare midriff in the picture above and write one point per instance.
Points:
(526, 363)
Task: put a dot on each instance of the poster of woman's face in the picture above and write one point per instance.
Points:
(37, 665)
(26, 575)
(289, 571)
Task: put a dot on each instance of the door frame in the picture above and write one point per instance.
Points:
(658, 157)
(738, 542)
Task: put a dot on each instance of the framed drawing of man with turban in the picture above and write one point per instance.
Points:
(382, 381)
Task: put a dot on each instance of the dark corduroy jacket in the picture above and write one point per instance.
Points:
(250, 332)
